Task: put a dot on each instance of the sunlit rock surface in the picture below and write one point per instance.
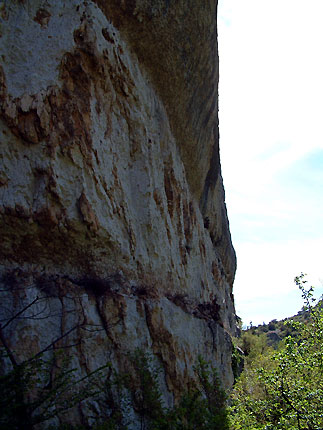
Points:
(112, 203)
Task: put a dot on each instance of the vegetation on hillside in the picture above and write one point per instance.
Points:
(283, 328)
(282, 388)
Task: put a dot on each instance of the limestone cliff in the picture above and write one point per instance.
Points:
(112, 202)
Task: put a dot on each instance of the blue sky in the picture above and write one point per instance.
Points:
(271, 143)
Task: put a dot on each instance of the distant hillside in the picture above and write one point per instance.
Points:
(277, 330)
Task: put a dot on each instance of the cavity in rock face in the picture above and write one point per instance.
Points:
(112, 203)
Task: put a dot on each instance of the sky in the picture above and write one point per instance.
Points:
(271, 147)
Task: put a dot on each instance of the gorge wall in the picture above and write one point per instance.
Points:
(112, 203)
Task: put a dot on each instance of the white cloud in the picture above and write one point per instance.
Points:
(271, 131)
(265, 276)
(270, 73)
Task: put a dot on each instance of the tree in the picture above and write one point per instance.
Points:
(284, 389)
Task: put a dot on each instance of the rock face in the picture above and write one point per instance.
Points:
(112, 203)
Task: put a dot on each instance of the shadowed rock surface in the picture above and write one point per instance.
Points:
(112, 202)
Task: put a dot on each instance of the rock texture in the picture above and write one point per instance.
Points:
(112, 203)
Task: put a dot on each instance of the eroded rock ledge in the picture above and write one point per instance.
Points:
(111, 192)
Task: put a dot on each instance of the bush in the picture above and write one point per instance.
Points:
(204, 407)
(284, 389)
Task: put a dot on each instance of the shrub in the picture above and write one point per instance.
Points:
(284, 389)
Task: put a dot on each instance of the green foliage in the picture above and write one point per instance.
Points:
(278, 390)
(114, 402)
(284, 389)
(272, 326)
(43, 388)
(146, 396)
(237, 360)
(203, 407)
(253, 345)
(283, 328)
(213, 395)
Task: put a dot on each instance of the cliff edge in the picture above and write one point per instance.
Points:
(112, 202)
